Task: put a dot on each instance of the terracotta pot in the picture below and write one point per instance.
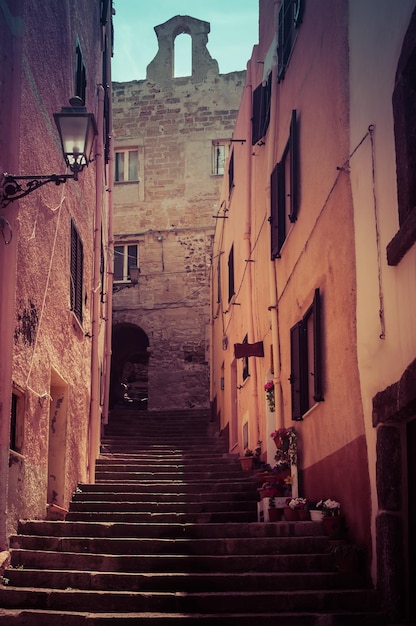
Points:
(304, 515)
(334, 526)
(247, 463)
(275, 515)
(291, 515)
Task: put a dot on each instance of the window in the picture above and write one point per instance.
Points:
(231, 174)
(77, 262)
(404, 112)
(290, 18)
(246, 372)
(284, 192)
(125, 256)
(127, 162)
(16, 421)
(261, 110)
(305, 359)
(219, 157)
(231, 286)
(80, 74)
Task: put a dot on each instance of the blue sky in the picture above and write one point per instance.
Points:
(234, 32)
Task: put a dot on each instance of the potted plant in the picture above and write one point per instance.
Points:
(348, 556)
(316, 510)
(275, 514)
(333, 521)
(269, 389)
(285, 440)
(251, 459)
(295, 509)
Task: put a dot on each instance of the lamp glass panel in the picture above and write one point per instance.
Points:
(74, 137)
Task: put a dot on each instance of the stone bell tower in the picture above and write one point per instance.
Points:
(160, 70)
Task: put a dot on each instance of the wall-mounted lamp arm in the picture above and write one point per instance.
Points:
(11, 189)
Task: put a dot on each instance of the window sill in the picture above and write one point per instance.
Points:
(403, 240)
(76, 325)
(127, 182)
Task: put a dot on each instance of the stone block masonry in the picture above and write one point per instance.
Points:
(167, 209)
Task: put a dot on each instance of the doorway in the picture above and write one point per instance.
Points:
(58, 420)
(129, 380)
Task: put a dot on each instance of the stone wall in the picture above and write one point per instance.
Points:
(168, 212)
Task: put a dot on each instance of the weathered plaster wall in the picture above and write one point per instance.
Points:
(51, 347)
(169, 212)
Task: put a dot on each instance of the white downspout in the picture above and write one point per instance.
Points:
(95, 417)
(247, 253)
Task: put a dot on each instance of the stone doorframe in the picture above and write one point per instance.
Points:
(393, 408)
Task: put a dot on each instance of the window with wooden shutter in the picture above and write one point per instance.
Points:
(231, 286)
(231, 174)
(246, 371)
(404, 112)
(290, 18)
(305, 360)
(80, 74)
(261, 110)
(284, 191)
(77, 262)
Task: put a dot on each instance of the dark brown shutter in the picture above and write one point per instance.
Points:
(274, 245)
(317, 347)
(231, 290)
(256, 119)
(76, 270)
(295, 378)
(294, 184)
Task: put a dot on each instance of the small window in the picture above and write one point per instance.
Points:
(284, 192)
(231, 174)
(77, 263)
(290, 18)
(246, 372)
(80, 74)
(16, 422)
(231, 285)
(126, 163)
(305, 358)
(219, 157)
(125, 256)
(261, 110)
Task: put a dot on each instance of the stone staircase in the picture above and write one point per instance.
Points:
(168, 535)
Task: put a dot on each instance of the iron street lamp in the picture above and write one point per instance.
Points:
(77, 130)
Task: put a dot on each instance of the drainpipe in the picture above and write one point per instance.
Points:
(95, 417)
(273, 290)
(109, 277)
(247, 250)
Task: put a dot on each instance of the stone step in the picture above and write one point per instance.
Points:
(178, 581)
(198, 531)
(120, 473)
(192, 546)
(178, 518)
(196, 497)
(188, 563)
(163, 507)
(177, 602)
(178, 487)
(70, 618)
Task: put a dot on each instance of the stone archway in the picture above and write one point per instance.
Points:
(129, 365)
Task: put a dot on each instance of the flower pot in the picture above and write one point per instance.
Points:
(275, 515)
(291, 515)
(266, 493)
(334, 526)
(304, 515)
(316, 515)
(247, 463)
